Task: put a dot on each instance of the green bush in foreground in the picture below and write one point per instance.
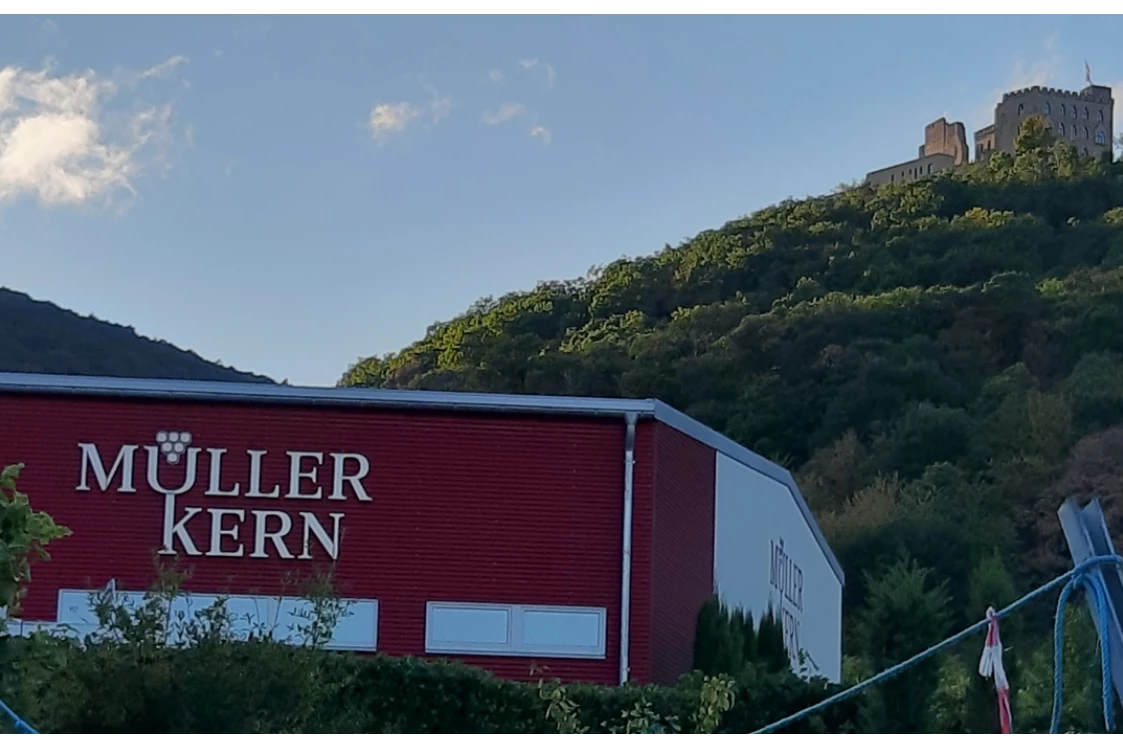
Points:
(145, 670)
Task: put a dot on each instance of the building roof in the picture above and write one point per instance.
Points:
(180, 389)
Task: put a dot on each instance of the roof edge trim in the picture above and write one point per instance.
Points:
(251, 392)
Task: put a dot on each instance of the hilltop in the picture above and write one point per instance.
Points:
(40, 337)
(939, 362)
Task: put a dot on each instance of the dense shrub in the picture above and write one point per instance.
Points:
(726, 639)
(262, 686)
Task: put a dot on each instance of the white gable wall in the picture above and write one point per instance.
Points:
(766, 553)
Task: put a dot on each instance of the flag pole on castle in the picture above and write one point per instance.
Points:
(1087, 73)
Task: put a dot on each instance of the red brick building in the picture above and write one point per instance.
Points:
(580, 534)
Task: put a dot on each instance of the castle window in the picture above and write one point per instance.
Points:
(1061, 129)
(1085, 133)
(1101, 139)
(1048, 109)
(1085, 112)
(1021, 108)
(1101, 115)
(1085, 151)
(1064, 110)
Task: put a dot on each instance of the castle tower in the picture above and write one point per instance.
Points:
(944, 147)
(948, 138)
(1082, 118)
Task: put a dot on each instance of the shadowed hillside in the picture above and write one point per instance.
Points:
(40, 337)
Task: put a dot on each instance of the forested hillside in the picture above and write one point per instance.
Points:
(42, 338)
(940, 364)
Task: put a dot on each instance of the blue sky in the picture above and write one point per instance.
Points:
(288, 195)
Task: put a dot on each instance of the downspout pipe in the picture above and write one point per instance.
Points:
(626, 556)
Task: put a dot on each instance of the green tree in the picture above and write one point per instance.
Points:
(719, 640)
(904, 613)
(771, 652)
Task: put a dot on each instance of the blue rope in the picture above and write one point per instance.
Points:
(19, 723)
(1070, 579)
(1093, 587)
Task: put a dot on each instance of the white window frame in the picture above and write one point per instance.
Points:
(515, 646)
(75, 614)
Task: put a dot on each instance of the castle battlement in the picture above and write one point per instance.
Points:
(1088, 94)
(1081, 118)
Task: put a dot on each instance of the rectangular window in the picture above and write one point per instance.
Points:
(515, 630)
(286, 618)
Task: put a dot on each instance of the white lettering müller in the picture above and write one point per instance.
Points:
(270, 527)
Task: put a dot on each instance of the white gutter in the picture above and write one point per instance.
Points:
(626, 558)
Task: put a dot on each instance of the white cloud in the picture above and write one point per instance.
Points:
(387, 120)
(533, 62)
(504, 113)
(440, 106)
(510, 111)
(1040, 71)
(390, 119)
(63, 142)
(165, 68)
(496, 75)
(1117, 112)
(540, 132)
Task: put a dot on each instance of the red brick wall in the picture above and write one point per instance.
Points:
(470, 507)
(683, 548)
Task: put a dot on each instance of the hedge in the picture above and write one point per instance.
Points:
(247, 687)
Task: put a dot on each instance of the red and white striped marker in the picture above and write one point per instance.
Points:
(990, 666)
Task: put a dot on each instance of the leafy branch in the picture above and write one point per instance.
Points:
(24, 536)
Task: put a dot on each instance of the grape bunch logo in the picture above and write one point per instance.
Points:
(173, 444)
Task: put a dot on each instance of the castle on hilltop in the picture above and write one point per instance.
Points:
(1083, 118)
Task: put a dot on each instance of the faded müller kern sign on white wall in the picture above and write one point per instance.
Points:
(179, 473)
(786, 579)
